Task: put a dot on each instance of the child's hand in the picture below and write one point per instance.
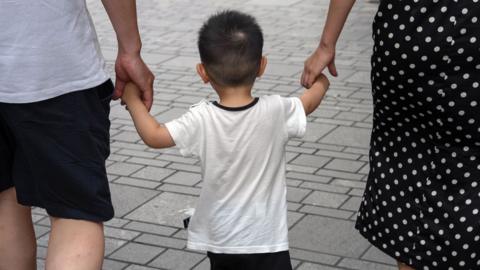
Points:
(131, 93)
(323, 81)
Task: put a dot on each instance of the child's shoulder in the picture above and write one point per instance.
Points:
(275, 97)
(196, 110)
(199, 105)
(271, 98)
(279, 100)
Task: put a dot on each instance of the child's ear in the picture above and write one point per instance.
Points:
(263, 65)
(202, 73)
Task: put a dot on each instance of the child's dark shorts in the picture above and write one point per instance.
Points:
(53, 152)
(256, 261)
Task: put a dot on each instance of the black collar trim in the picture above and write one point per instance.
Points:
(236, 109)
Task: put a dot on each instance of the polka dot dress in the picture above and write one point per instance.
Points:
(422, 200)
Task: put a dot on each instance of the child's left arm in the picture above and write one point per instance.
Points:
(154, 134)
(312, 97)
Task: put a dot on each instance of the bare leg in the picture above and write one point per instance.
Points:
(75, 244)
(17, 237)
(402, 266)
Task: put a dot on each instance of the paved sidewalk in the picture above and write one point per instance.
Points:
(326, 169)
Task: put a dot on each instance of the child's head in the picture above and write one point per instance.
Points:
(230, 45)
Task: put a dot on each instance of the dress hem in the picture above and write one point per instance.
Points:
(388, 251)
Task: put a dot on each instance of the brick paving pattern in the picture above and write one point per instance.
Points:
(327, 169)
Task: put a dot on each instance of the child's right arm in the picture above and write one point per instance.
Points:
(154, 134)
(312, 97)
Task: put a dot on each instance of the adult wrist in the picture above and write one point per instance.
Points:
(324, 44)
(132, 48)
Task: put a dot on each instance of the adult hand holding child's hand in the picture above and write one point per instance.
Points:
(131, 68)
(324, 56)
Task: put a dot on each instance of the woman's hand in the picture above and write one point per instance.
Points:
(324, 56)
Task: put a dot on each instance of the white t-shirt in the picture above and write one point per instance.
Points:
(47, 48)
(242, 206)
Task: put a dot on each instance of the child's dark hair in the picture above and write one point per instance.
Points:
(230, 45)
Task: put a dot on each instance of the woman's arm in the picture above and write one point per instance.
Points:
(324, 55)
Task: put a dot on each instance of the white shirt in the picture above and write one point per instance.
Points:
(242, 206)
(47, 48)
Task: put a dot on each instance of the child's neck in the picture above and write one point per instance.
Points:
(235, 96)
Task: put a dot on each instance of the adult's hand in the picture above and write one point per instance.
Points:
(322, 57)
(131, 68)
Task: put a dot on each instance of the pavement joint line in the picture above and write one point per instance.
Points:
(133, 210)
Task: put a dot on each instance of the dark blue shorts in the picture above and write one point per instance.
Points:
(256, 261)
(53, 152)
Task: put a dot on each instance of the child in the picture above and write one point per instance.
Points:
(241, 215)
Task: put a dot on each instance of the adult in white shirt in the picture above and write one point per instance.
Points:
(54, 105)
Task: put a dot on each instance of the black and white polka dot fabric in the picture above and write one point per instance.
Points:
(422, 200)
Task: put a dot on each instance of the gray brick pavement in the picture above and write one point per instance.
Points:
(326, 169)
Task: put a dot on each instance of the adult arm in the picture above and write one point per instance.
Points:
(324, 55)
(129, 66)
